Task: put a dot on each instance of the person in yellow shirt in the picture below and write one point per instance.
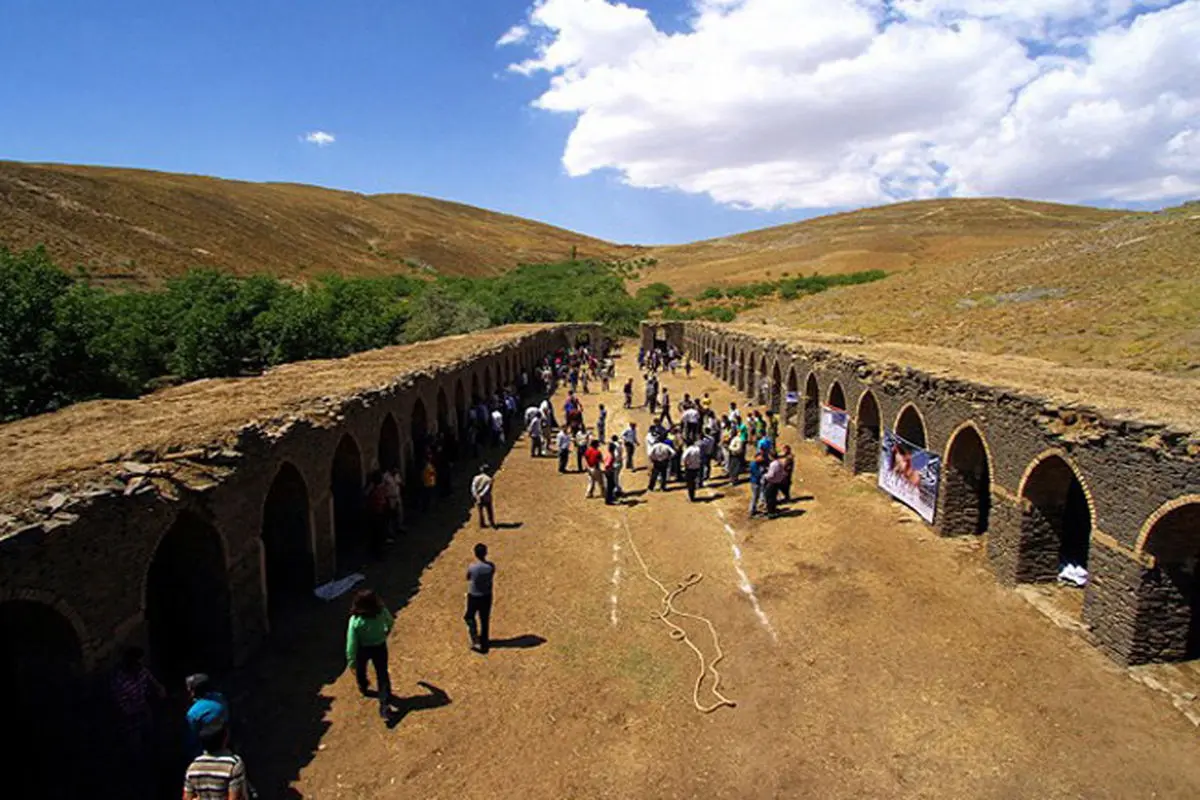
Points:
(429, 482)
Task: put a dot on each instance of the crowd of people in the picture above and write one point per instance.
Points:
(683, 443)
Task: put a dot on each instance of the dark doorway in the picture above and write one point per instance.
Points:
(837, 399)
(1056, 525)
(187, 602)
(966, 486)
(866, 434)
(1174, 541)
(775, 400)
(389, 443)
(346, 486)
(910, 427)
(812, 407)
(791, 411)
(460, 404)
(287, 542)
(41, 667)
(443, 413)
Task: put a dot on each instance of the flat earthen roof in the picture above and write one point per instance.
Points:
(67, 450)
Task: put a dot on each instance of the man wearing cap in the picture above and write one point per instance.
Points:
(208, 714)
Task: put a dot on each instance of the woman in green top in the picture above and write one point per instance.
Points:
(366, 640)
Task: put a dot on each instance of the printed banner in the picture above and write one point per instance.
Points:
(910, 474)
(835, 425)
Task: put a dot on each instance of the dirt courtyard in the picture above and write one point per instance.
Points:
(881, 661)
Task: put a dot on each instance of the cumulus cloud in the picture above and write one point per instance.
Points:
(320, 138)
(821, 103)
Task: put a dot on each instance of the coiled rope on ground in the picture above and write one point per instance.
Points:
(679, 634)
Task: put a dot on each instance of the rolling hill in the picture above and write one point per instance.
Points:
(926, 232)
(137, 227)
(1072, 284)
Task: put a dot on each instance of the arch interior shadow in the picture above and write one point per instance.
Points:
(1056, 524)
(287, 542)
(1171, 592)
(966, 486)
(867, 435)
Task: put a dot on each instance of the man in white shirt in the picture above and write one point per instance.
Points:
(535, 434)
(691, 422)
(481, 492)
(661, 454)
(564, 449)
(691, 467)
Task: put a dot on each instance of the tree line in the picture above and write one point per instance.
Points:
(63, 339)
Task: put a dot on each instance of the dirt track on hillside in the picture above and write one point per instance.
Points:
(900, 668)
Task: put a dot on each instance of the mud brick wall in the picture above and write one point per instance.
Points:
(87, 556)
(1004, 454)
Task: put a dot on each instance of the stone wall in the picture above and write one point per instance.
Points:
(92, 558)
(1046, 473)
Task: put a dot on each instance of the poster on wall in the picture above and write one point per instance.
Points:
(793, 398)
(835, 425)
(910, 474)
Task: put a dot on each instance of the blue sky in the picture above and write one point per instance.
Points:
(805, 105)
(415, 92)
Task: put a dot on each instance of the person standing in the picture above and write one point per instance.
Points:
(692, 462)
(618, 464)
(608, 465)
(133, 690)
(481, 491)
(666, 408)
(366, 642)
(208, 712)
(628, 390)
(601, 422)
(564, 449)
(630, 438)
(497, 427)
(593, 458)
(393, 483)
(534, 429)
(660, 454)
(757, 468)
(480, 580)
(773, 480)
(429, 481)
(789, 468)
(216, 774)
(582, 440)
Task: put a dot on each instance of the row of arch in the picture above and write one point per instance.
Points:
(1055, 516)
(189, 600)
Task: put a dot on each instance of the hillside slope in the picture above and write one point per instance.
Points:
(1124, 294)
(137, 227)
(926, 232)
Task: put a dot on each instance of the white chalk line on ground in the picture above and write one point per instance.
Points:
(744, 580)
(616, 580)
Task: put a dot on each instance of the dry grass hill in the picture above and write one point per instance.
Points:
(926, 232)
(1076, 285)
(136, 227)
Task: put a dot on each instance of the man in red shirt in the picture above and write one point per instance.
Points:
(592, 457)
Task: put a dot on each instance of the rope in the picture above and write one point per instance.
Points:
(680, 635)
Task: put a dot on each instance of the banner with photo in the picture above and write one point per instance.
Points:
(910, 474)
(835, 427)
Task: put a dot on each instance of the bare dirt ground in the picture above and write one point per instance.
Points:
(886, 662)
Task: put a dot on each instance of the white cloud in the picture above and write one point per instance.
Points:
(514, 35)
(818, 103)
(319, 138)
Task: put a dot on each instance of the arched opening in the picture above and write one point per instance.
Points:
(287, 542)
(812, 407)
(866, 434)
(41, 667)
(762, 389)
(346, 486)
(1173, 618)
(910, 427)
(776, 394)
(791, 411)
(489, 386)
(187, 602)
(443, 412)
(476, 389)
(460, 403)
(389, 443)
(837, 399)
(418, 426)
(1056, 523)
(966, 485)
